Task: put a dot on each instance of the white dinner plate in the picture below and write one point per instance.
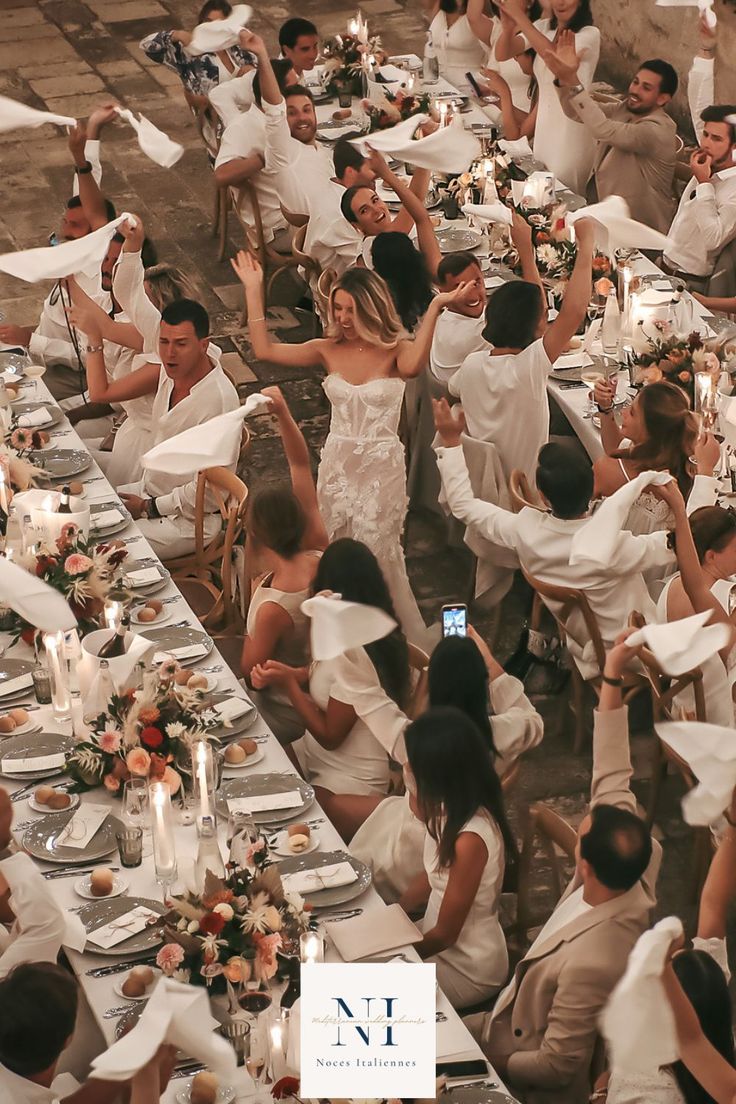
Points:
(118, 987)
(249, 761)
(33, 804)
(282, 848)
(21, 730)
(225, 1094)
(164, 616)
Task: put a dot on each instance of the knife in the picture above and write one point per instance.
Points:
(119, 967)
(24, 792)
(72, 871)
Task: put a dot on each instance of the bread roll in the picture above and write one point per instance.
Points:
(133, 986)
(20, 716)
(142, 973)
(59, 800)
(101, 881)
(155, 604)
(299, 830)
(197, 682)
(203, 1089)
(298, 843)
(147, 614)
(234, 754)
(43, 793)
(7, 724)
(250, 747)
(181, 678)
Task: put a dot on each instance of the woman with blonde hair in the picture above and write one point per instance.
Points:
(361, 484)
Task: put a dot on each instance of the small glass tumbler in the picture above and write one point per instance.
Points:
(42, 683)
(130, 846)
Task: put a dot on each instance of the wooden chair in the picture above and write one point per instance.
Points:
(221, 192)
(562, 603)
(555, 835)
(271, 261)
(522, 495)
(293, 218)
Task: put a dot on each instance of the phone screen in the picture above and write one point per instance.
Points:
(455, 620)
(474, 1068)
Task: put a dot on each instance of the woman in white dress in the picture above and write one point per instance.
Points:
(516, 72)
(467, 844)
(361, 483)
(457, 48)
(567, 148)
(338, 753)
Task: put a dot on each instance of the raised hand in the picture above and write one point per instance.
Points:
(77, 139)
(251, 42)
(133, 235)
(449, 428)
(701, 166)
(247, 269)
(101, 115)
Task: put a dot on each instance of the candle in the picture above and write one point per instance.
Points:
(164, 852)
(443, 114)
(705, 398)
(353, 26)
(311, 947)
(113, 613)
(203, 778)
(571, 232)
(60, 696)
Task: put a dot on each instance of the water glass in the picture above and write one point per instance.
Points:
(130, 846)
(42, 683)
(242, 833)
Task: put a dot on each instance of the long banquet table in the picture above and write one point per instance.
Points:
(453, 1039)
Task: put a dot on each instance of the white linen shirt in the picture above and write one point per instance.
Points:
(456, 336)
(51, 342)
(40, 925)
(302, 171)
(244, 136)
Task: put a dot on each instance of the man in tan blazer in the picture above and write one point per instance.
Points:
(637, 139)
(541, 1034)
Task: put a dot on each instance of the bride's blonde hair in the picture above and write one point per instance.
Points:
(376, 320)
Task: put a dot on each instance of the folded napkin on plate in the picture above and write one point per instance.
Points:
(678, 646)
(710, 752)
(596, 540)
(661, 285)
(381, 929)
(323, 877)
(14, 685)
(105, 517)
(54, 262)
(31, 763)
(576, 359)
(518, 148)
(176, 1014)
(120, 929)
(705, 7)
(15, 115)
(489, 212)
(337, 626)
(83, 825)
(390, 74)
(208, 38)
(187, 651)
(142, 576)
(264, 803)
(518, 188)
(35, 601)
(449, 149)
(154, 143)
(612, 214)
(638, 1023)
(213, 444)
(229, 711)
(39, 417)
(656, 297)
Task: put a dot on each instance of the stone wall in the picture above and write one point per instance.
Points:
(633, 30)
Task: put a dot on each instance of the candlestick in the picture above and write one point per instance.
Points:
(311, 947)
(705, 398)
(164, 851)
(60, 696)
(279, 1032)
(203, 779)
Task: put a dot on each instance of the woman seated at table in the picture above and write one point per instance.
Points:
(338, 753)
(658, 432)
(463, 674)
(288, 537)
(456, 793)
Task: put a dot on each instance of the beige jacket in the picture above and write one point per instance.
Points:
(547, 1033)
(635, 156)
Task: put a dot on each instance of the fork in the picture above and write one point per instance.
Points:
(119, 1010)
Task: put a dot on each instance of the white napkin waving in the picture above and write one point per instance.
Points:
(449, 149)
(338, 626)
(176, 1014)
(38, 417)
(612, 214)
(213, 444)
(678, 646)
(322, 877)
(638, 1023)
(710, 752)
(595, 541)
(518, 148)
(154, 143)
(704, 6)
(489, 212)
(221, 34)
(35, 601)
(54, 262)
(14, 115)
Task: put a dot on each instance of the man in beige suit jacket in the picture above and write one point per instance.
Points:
(637, 140)
(541, 1035)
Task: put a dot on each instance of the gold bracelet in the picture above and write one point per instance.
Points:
(94, 348)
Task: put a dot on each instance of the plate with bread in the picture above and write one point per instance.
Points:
(102, 882)
(52, 799)
(138, 984)
(297, 839)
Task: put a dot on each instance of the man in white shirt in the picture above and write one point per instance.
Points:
(189, 388)
(330, 239)
(504, 391)
(459, 329)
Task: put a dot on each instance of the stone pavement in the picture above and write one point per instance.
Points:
(68, 56)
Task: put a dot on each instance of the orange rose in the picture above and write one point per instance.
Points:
(237, 969)
(138, 762)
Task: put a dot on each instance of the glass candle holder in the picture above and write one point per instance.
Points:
(162, 823)
(130, 846)
(42, 683)
(311, 947)
(60, 695)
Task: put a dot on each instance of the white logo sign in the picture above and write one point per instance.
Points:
(368, 1030)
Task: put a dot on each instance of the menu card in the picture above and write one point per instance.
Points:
(130, 923)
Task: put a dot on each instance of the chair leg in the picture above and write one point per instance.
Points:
(222, 203)
(578, 702)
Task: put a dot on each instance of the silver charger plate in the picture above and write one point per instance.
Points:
(57, 414)
(115, 527)
(238, 726)
(98, 913)
(476, 1094)
(267, 784)
(31, 745)
(168, 638)
(61, 463)
(337, 895)
(453, 241)
(14, 363)
(334, 129)
(147, 588)
(40, 841)
(11, 669)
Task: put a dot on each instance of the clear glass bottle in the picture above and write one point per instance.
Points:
(611, 325)
(209, 857)
(100, 693)
(431, 66)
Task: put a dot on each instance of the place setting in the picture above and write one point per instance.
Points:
(267, 798)
(72, 838)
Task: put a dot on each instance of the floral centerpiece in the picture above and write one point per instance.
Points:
(395, 107)
(676, 358)
(233, 929)
(84, 571)
(20, 471)
(343, 58)
(142, 734)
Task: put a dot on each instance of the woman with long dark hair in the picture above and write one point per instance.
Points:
(457, 48)
(396, 260)
(338, 753)
(456, 794)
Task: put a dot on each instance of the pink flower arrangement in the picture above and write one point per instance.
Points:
(77, 564)
(111, 783)
(110, 742)
(255, 851)
(167, 669)
(170, 957)
(21, 439)
(138, 762)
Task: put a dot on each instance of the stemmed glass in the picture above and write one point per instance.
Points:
(590, 377)
(135, 803)
(242, 833)
(255, 999)
(35, 372)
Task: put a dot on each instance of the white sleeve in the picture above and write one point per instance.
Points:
(278, 137)
(356, 683)
(92, 153)
(704, 492)
(40, 924)
(52, 350)
(232, 97)
(588, 47)
(515, 723)
(717, 950)
(700, 90)
(130, 293)
(492, 522)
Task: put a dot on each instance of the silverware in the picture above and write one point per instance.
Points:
(175, 598)
(187, 1071)
(119, 967)
(72, 871)
(24, 792)
(120, 1010)
(132, 540)
(334, 917)
(439, 1017)
(206, 670)
(23, 825)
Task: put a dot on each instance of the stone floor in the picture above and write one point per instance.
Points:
(68, 56)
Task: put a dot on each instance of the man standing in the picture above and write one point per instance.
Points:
(637, 139)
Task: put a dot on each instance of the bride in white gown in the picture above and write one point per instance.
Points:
(361, 483)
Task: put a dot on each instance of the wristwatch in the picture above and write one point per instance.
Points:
(150, 509)
(86, 168)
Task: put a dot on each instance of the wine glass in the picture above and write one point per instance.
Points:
(255, 1064)
(242, 832)
(135, 803)
(590, 377)
(255, 998)
(35, 372)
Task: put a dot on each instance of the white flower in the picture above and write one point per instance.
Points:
(175, 730)
(182, 925)
(225, 911)
(182, 975)
(211, 946)
(193, 926)
(547, 254)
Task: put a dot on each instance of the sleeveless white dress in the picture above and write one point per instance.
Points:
(457, 48)
(361, 482)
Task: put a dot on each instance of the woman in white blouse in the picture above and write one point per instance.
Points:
(567, 148)
(515, 71)
(457, 48)
(468, 841)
